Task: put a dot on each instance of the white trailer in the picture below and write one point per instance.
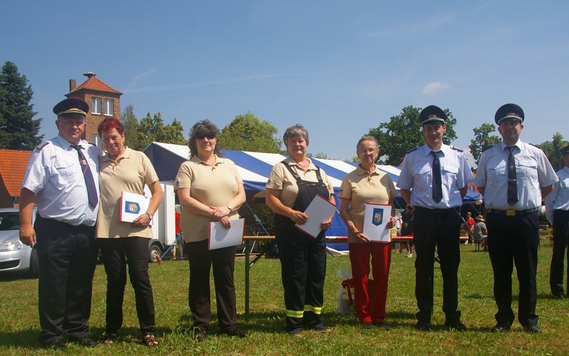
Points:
(164, 222)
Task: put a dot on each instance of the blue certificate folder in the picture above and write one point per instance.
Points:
(376, 218)
(133, 205)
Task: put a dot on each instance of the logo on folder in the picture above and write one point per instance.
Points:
(131, 207)
(377, 216)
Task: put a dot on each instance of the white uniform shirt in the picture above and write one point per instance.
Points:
(533, 171)
(416, 175)
(558, 199)
(54, 174)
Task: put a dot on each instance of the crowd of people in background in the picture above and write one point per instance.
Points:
(77, 189)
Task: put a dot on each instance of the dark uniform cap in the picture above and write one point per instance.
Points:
(71, 107)
(564, 150)
(432, 114)
(509, 112)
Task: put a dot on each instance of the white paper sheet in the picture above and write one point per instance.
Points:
(133, 205)
(220, 237)
(319, 210)
(376, 218)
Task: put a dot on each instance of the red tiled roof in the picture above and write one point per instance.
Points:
(12, 169)
(95, 83)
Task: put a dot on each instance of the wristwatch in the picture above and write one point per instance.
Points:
(230, 208)
(149, 215)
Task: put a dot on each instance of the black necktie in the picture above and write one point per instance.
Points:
(512, 183)
(437, 181)
(88, 176)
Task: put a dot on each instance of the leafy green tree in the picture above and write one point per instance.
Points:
(551, 149)
(175, 133)
(145, 132)
(18, 129)
(248, 133)
(130, 123)
(139, 134)
(482, 140)
(403, 132)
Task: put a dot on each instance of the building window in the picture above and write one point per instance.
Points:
(109, 107)
(96, 140)
(96, 106)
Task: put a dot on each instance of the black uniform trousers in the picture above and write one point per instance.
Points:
(201, 259)
(560, 240)
(440, 228)
(303, 270)
(117, 252)
(67, 257)
(514, 239)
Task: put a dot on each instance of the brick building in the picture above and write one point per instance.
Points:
(12, 169)
(103, 101)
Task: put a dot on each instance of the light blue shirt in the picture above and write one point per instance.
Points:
(533, 171)
(54, 174)
(558, 199)
(416, 175)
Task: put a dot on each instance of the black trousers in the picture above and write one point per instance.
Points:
(201, 260)
(514, 239)
(67, 257)
(560, 240)
(117, 253)
(303, 270)
(440, 228)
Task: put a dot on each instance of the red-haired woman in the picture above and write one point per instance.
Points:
(122, 243)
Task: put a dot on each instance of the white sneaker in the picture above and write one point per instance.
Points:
(409, 254)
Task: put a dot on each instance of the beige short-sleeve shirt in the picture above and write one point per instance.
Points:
(361, 187)
(213, 186)
(129, 173)
(281, 179)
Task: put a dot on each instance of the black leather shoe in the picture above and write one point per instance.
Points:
(498, 328)
(457, 325)
(200, 334)
(382, 325)
(84, 342)
(532, 329)
(235, 332)
(558, 297)
(56, 345)
(423, 326)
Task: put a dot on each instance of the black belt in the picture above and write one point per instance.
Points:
(513, 212)
(434, 211)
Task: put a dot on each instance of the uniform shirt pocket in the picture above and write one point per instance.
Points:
(497, 174)
(63, 174)
(526, 169)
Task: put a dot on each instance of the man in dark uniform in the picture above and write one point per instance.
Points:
(434, 179)
(557, 211)
(514, 176)
(62, 179)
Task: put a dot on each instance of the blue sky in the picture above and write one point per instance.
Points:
(337, 67)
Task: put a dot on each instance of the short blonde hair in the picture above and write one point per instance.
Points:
(294, 131)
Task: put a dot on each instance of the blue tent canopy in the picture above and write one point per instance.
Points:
(254, 168)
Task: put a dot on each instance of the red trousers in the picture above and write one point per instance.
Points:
(367, 310)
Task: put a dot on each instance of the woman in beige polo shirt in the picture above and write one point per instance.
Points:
(209, 189)
(292, 185)
(122, 243)
(367, 184)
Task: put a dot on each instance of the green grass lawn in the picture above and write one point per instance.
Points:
(19, 325)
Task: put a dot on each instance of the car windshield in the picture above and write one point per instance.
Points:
(9, 221)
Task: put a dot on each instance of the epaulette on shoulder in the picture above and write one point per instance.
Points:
(489, 147)
(456, 148)
(536, 146)
(42, 145)
(413, 149)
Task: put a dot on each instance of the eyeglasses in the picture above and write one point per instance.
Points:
(209, 135)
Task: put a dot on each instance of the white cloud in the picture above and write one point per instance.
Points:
(434, 87)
